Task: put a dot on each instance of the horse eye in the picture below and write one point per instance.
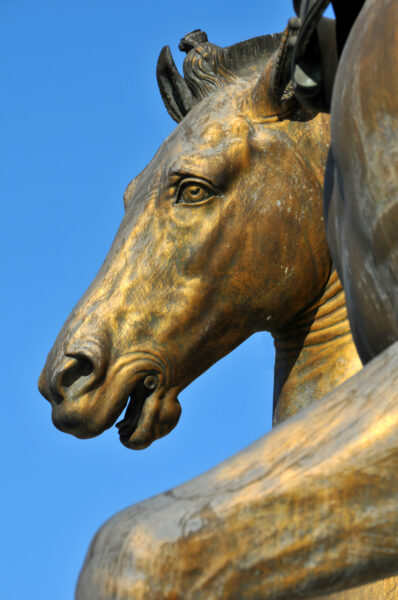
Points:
(192, 192)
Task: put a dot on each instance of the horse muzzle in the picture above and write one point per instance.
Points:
(87, 397)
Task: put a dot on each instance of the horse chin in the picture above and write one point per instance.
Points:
(149, 416)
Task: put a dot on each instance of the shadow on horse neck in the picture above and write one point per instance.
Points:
(314, 354)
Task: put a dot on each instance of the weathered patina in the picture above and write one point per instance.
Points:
(355, 58)
(224, 236)
(305, 511)
(361, 187)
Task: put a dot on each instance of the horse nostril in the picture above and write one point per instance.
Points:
(75, 375)
(82, 367)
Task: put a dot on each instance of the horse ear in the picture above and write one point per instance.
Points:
(273, 92)
(175, 93)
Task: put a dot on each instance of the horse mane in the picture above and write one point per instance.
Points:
(209, 68)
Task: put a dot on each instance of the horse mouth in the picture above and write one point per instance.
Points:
(151, 413)
(135, 403)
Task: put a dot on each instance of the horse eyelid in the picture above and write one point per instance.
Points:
(187, 181)
(178, 177)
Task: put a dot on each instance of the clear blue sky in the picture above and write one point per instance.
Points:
(80, 116)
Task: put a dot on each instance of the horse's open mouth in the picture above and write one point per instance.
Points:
(144, 388)
(150, 414)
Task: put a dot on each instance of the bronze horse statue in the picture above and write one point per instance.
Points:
(361, 188)
(348, 67)
(223, 236)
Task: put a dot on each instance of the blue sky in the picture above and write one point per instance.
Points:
(80, 116)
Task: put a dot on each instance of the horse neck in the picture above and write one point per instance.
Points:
(314, 354)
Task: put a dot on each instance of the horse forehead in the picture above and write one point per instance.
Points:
(207, 130)
(214, 128)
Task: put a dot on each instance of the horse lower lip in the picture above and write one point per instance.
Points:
(135, 404)
(128, 425)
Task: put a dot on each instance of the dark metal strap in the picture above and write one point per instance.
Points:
(317, 47)
(314, 56)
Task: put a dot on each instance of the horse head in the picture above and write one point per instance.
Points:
(222, 236)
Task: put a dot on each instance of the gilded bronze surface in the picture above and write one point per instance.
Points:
(361, 191)
(305, 511)
(224, 236)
